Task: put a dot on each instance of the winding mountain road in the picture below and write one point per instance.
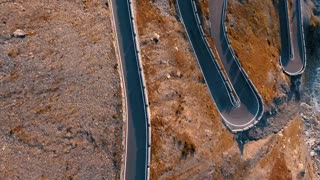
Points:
(235, 96)
(293, 56)
(137, 161)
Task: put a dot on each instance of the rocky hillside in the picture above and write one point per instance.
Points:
(311, 109)
(61, 107)
(188, 137)
(60, 94)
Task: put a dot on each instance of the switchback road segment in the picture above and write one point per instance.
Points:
(235, 96)
(293, 52)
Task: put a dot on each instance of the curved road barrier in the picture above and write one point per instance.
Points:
(293, 50)
(247, 107)
(138, 135)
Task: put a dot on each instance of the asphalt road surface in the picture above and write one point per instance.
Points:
(293, 59)
(136, 148)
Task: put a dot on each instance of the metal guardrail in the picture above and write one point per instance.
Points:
(221, 76)
(234, 99)
(144, 88)
(116, 44)
(252, 86)
(304, 56)
(291, 52)
(302, 39)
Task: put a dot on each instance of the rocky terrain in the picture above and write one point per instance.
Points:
(310, 108)
(189, 140)
(60, 94)
(61, 104)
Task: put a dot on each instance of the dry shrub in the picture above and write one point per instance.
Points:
(179, 58)
(185, 144)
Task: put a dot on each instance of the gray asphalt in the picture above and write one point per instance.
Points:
(293, 59)
(136, 148)
(250, 109)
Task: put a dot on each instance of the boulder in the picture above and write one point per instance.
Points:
(19, 33)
